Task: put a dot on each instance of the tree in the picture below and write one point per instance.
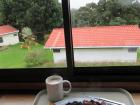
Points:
(74, 19)
(28, 37)
(14, 12)
(26, 32)
(1, 15)
(86, 16)
(40, 15)
(117, 21)
(109, 12)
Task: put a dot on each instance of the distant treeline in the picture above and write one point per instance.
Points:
(107, 12)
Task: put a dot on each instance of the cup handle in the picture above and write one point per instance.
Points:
(66, 81)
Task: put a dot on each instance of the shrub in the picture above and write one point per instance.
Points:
(35, 58)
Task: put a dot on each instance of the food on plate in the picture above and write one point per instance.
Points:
(86, 102)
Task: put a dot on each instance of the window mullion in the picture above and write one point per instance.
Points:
(68, 34)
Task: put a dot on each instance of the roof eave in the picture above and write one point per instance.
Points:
(9, 33)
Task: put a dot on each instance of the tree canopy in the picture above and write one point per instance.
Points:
(40, 15)
(44, 15)
(108, 12)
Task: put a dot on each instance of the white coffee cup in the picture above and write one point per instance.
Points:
(54, 86)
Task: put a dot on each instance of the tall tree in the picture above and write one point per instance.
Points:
(86, 16)
(44, 15)
(1, 15)
(40, 15)
(14, 12)
(109, 12)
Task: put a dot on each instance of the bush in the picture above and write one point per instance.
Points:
(35, 58)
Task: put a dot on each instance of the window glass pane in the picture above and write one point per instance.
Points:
(31, 34)
(1, 40)
(56, 50)
(106, 32)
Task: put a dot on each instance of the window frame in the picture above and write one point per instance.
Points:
(1, 40)
(15, 34)
(131, 50)
(72, 73)
(56, 50)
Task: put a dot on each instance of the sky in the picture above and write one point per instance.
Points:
(78, 3)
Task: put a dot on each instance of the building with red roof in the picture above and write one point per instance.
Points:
(98, 44)
(8, 35)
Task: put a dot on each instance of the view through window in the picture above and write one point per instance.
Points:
(30, 31)
(106, 32)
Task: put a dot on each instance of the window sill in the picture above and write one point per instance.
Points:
(24, 93)
(16, 99)
(130, 86)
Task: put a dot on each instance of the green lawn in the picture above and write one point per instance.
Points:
(138, 55)
(14, 56)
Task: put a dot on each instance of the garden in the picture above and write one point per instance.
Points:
(16, 57)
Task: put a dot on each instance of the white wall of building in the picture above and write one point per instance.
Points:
(99, 55)
(59, 56)
(10, 39)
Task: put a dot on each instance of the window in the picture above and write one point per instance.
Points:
(40, 29)
(1, 40)
(15, 34)
(72, 72)
(132, 49)
(105, 32)
(56, 50)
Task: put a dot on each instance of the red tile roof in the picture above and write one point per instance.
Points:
(4, 29)
(99, 36)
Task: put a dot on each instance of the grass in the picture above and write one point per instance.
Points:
(138, 55)
(105, 64)
(14, 56)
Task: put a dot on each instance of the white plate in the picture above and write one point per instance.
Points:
(81, 99)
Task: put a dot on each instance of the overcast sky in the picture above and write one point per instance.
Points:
(78, 3)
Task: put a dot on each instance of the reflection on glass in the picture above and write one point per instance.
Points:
(106, 32)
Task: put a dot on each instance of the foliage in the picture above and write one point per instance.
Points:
(44, 15)
(117, 21)
(34, 58)
(107, 12)
(85, 16)
(1, 19)
(40, 15)
(26, 31)
(138, 55)
(28, 37)
(1, 15)
(14, 56)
